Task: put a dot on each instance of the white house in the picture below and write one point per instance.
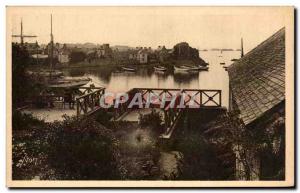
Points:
(142, 56)
(63, 58)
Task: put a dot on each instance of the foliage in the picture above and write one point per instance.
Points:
(77, 56)
(84, 149)
(22, 121)
(247, 143)
(29, 147)
(201, 159)
(153, 120)
(68, 150)
(103, 116)
(20, 82)
(139, 151)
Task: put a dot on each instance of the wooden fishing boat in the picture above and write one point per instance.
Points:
(44, 73)
(129, 69)
(190, 68)
(67, 83)
(196, 68)
(203, 67)
(181, 68)
(160, 68)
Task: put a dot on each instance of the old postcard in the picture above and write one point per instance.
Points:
(150, 96)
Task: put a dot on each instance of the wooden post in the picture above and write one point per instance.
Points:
(77, 107)
(201, 98)
(220, 98)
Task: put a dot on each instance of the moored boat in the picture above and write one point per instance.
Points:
(46, 73)
(67, 83)
(195, 68)
(159, 68)
(190, 68)
(129, 69)
(181, 68)
(203, 67)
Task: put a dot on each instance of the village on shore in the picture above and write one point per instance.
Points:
(210, 142)
(90, 54)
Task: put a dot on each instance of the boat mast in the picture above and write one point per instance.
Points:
(22, 36)
(242, 48)
(51, 50)
(37, 53)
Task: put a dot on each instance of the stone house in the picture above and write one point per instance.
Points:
(163, 54)
(104, 51)
(257, 93)
(133, 54)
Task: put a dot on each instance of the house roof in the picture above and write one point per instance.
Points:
(257, 80)
(143, 51)
(132, 51)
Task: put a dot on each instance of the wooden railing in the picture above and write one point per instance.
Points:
(90, 102)
(48, 100)
(172, 114)
(123, 107)
(196, 97)
(181, 99)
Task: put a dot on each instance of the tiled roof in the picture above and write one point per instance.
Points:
(257, 80)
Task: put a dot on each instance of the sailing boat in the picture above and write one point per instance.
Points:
(62, 82)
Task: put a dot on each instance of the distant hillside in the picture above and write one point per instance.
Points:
(222, 49)
(121, 48)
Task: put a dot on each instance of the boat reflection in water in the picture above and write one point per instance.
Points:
(68, 83)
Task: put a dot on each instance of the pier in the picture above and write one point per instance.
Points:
(88, 103)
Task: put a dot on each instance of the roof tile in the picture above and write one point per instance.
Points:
(257, 80)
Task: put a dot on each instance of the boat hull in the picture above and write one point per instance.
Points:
(186, 69)
(129, 69)
(162, 69)
(68, 83)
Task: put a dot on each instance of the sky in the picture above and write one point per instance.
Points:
(201, 27)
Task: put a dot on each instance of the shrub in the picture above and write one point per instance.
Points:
(77, 56)
(153, 120)
(21, 121)
(84, 150)
(69, 150)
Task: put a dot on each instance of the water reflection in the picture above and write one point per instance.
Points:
(185, 77)
(145, 77)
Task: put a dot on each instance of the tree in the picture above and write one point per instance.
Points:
(77, 56)
(84, 150)
(20, 82)
(249, 144)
